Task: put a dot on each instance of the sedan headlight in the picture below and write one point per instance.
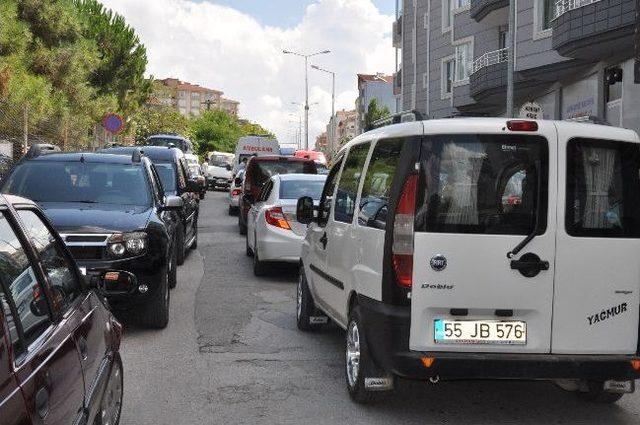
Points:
(121, 244)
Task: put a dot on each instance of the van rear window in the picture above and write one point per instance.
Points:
(265, 169)
(603, 187)
(489, 184)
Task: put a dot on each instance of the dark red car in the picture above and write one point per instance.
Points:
(59, 344)
(259, 169)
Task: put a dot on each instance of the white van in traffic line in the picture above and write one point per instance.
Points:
(480, 248)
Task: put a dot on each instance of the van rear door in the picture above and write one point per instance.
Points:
(479, 197)
(597, 284)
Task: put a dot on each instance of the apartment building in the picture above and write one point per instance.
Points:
(190, 99)
(377, 86)
(573, 58)
(322, 143)
(341, 128)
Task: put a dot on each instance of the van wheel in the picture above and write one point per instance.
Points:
(305, 307)
(597, 394)
(180, 245)
(173, 267)
(111, 404)
(157, 310)
(358, 362)
(259, 267)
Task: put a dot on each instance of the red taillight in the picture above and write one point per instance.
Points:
(236, 192)
(402, 249)
(522, 125)
(275, 217)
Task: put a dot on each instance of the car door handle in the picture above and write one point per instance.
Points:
(324, 240)
(83, 348)
(42, 402)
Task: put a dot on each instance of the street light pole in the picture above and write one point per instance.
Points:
(306, 89)
(511, 44)
(333, 104)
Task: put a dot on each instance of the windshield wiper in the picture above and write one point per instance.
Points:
(534, 232)
(88, 202)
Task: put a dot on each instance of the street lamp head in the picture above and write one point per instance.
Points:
(325, 51)
(315, 67)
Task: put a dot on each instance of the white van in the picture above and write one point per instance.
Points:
(480, 248)
(249, 146)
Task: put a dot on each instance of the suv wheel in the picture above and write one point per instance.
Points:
(259, 267)
(157, 311)
(111, 404)
(180, 245)
(307, 316)
(173, 267)
(359, 366)
(597, 394)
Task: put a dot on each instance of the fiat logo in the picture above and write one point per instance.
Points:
(438, 262)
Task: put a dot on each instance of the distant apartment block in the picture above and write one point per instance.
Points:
(572, 58)
(376, 86)
(190, 99)
(341, 129)
(321, 142)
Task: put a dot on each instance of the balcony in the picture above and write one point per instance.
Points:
(397, 33)
(489, 76)
(593, 30)
(397, 83)
(479, 9)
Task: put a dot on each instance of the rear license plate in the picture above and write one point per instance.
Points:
(480, 332)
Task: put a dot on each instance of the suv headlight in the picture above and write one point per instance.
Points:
(121, 244)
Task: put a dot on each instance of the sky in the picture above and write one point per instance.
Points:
(236, 46)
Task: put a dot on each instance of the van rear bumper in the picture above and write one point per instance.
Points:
(387, 334)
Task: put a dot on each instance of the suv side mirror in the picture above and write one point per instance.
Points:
(304, 210)
(172, 203)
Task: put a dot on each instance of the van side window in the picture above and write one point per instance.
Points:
(377, 183)
(59, 270)
(324, 210)
(484, 184)
(23, 301)
(345, 204)
(603, 183)
(266, 191)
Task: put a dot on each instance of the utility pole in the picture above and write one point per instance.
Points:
(511, 44)
(637, 45)
(306, 89)
(333, 105)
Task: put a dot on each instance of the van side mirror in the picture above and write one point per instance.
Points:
(172, 203)
(304, 210)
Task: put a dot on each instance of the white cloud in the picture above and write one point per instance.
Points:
(222, 48)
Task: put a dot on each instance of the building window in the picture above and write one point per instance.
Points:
(447, 16)
(460, 4)
(446, 79)
(544, 13)
(549, 13)
(195, 95)
(464, 61)
(182, 94)
(502, 39)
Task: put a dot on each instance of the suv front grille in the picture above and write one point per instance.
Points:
(86, 246)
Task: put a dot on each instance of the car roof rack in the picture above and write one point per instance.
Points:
(38, 149)
(592, 119)
(397, 118)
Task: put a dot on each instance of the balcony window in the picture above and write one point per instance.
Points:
(447, 77)
(544, 13)
(549, 13)
(447, 15)
(463, 61)
(502, 39)
(460, 4)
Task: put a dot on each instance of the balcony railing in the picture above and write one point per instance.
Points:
(490, 58)
(564, 6)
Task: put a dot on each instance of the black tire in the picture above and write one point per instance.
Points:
(194, 244)
(248, 250)
(365, 365)
(157, 309)
(173, 267)
(242, 227)
(231, 210)
(259, 267)
(596, 394)
(305, 306)
(111, 403)
(180, 245)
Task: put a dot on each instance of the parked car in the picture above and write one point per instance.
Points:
(170, 140)
(219, 170)
(114, 216)
(434, 273)
(235, 192)
(60, 345)
(173, 171)
(259, 169)
(273, 233)
(195, 173)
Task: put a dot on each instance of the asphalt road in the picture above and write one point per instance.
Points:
(232, 355)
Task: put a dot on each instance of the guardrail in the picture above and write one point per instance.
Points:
(564, 6)
(490, 58)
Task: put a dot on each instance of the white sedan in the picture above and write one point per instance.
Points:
(273, 233)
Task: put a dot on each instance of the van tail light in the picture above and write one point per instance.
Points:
(522, 125)
(402, 250)
(275, 217)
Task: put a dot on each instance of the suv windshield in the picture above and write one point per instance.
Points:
(167, 174)
(164, 141)
(483, 184)
(122, 184)
(265, 169)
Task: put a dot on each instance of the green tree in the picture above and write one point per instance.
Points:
(375, 112)
(215, 130)
(154, 120)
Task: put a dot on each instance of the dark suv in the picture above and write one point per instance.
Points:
(113, 215)
(174, 173)
(59, 344)
(259, 169)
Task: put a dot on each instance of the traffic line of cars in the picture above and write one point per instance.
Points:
(84, 236)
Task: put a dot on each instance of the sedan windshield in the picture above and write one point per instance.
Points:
(122, 184)
(295, 189)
